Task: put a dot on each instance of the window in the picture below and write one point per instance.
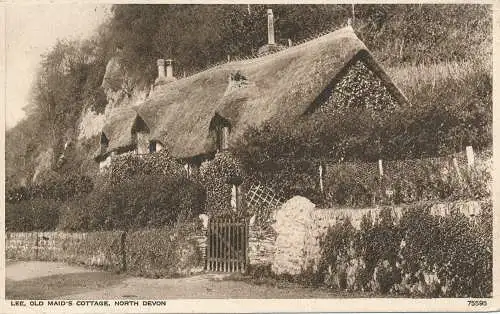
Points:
(220, 128)
(152, 147)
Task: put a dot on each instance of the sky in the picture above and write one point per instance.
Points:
(31, 30)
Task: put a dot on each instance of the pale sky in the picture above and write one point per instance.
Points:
(31, 30)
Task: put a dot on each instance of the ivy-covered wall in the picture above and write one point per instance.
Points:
(360, 87)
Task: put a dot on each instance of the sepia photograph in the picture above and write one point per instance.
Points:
(159, 152)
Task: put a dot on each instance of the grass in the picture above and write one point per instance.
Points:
(418, 80)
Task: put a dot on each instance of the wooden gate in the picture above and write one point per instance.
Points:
(227, 244)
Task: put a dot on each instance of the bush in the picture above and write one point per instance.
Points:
(140, 201)
(420, 255)
(32, 215)
(57, 189)
(127, 166)
(164, 252)
(453, 248)
(217, 176)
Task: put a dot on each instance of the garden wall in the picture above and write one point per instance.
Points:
(149, 253)
(102, 249)
(293, 240)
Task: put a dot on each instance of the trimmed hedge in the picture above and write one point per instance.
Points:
(217, 176)
(139, 201)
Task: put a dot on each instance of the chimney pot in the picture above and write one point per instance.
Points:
(161, 68)
(170, 69)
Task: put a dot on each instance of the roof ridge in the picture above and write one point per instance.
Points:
(255, 56)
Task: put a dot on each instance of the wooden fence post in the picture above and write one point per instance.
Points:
(470, 156)
(380, 168)
(321, 178)
(36, 246)
(123, 251)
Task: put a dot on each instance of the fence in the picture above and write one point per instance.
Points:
(368, 172)
(464, 175)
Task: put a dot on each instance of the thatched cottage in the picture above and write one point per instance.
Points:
(196, 116)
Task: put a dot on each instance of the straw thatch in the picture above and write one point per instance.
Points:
(283, 85)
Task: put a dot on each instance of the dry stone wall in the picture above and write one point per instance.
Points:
(102, 249)
(299, 227)
(261, 245)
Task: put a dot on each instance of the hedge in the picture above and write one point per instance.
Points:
(139, 201)
(419, 255)
(32, 215)
(164, 252)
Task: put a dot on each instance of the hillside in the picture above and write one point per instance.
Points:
(439, 55)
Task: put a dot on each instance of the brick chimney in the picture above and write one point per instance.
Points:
(270, 27)
(165, 72)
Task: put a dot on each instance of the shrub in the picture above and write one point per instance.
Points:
(127, 166)
(136, 202)
(32, 215)
(164, 252)
(453, 248)
(217, 176)
(57, 189)
(420, 255)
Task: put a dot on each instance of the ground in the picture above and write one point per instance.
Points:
(49, 280)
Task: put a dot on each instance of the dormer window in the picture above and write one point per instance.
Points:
(140, 136)
(222, 129)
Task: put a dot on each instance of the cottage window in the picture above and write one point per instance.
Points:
(152, 146)
(220, 129)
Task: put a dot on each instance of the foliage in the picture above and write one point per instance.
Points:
(164, 252)
(59, 189)
(419, 255)
(36, 214)
(140, 201)
(127, 166)
(218, 176)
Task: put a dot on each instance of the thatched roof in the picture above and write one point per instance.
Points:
(283, 85)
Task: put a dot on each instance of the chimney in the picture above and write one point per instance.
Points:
(270, 27)
(170, 69)
(161, 69)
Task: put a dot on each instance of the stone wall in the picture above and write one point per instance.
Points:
(108, 249)
(100, 249)
(261, 245)
(299, 229)
(292, 227)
